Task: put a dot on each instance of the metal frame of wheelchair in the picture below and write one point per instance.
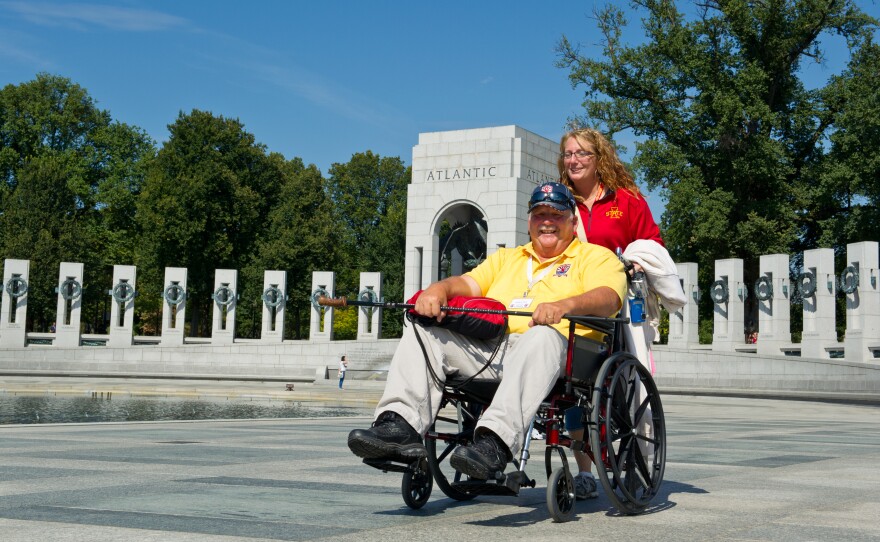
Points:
(623, 424)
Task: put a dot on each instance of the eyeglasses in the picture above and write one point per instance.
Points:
(567, 155)
(553, 197)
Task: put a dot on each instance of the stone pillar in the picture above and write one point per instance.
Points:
(13, 318)
(122, 306)
(70, 284)
(817, 284)
(274, 303)
(174, 306)
(415, 268)
(728, 293)
(684, 323)
(321, 319)
(225, 298)
(773, 292)
(369, 318)
(859, 281)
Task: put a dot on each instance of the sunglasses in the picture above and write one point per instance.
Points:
(552, 197)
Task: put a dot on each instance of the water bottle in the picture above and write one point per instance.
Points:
(637, 302)
(636, 310)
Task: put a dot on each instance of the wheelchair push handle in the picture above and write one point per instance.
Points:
(627, 264)
(629, 267)
(636, 279)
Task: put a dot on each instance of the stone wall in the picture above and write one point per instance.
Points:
(707, 371)
(295, 360)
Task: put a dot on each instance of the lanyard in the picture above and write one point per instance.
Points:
(541, 275)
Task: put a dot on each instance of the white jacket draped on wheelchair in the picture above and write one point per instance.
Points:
(623, 417)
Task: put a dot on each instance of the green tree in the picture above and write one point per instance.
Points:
(125, 154)
(732, 138)
(205, 199)
(39, 224)
(299, 238)
(844, 203)
(345, 323)
(368, 196)
(60, 157)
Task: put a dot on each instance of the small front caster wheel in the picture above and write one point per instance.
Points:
(560, 495)
(416, 485)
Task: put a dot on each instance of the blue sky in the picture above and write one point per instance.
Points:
(317, 80)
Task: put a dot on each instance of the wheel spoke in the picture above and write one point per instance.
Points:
(640, 412)
(631, 388)
(647, 439)
(623, 452)
(620, 417)
(446, 451)
(639, 466)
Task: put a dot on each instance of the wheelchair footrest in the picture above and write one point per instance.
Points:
(507, 485)
(389, 466)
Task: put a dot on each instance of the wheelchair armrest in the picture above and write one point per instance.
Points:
(597, 323)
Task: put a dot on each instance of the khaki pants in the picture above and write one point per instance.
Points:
(527, 365)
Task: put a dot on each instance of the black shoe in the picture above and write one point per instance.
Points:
(390, 437)
(482, 459)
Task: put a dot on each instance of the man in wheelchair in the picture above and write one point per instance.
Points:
(553, 275)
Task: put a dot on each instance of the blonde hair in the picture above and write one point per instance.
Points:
(610, 170)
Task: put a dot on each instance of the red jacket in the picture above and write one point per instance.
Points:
(618, 219)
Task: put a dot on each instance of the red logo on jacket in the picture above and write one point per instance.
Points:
(614, 212)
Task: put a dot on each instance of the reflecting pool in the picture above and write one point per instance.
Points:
(54, 409)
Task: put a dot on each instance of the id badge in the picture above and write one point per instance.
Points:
(521, 303)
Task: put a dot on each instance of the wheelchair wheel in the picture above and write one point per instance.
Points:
(628, 433)
(444, 435)
(416, 485)
(560, 495)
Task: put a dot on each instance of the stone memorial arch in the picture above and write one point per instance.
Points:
(468, 197)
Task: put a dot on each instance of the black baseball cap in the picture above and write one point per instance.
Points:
(556, 195)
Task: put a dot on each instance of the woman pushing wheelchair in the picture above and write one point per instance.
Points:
(614, 214)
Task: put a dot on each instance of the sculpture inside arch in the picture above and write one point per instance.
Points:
(462, 242)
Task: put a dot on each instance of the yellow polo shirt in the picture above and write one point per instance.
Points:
(580, 268)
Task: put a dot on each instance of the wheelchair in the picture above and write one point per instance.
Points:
(623, 418)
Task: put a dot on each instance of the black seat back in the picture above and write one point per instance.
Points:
(587, 359)
(589, 354)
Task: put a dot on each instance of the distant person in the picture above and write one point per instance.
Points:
(343, 365)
